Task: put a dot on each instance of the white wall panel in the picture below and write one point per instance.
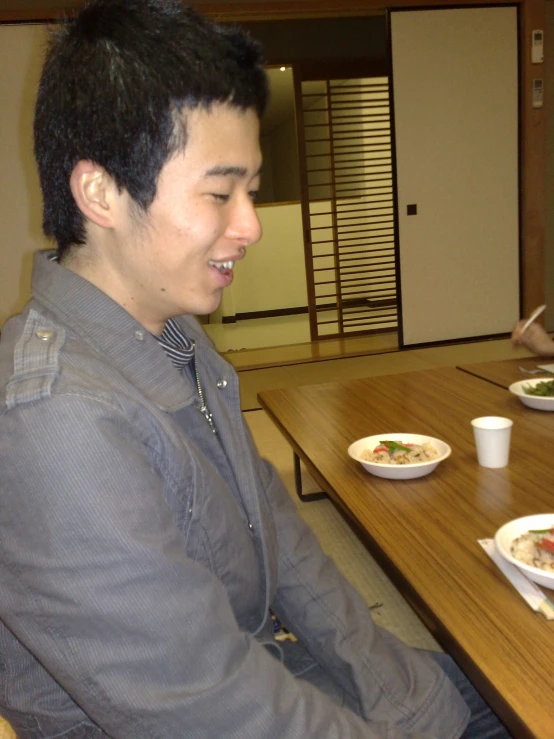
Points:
(455, 85)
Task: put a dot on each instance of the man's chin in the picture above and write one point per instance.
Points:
(209, 306)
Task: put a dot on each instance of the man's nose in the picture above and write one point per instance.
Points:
(245, 226)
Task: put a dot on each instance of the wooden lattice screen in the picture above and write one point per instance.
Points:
(348, 212)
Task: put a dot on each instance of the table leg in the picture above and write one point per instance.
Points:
(310, 497)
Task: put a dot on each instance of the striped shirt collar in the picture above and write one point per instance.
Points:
(178, 347)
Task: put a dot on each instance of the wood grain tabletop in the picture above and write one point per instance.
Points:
(424, 532)
(505, 371)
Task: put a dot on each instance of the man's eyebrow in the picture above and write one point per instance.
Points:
(228, 171)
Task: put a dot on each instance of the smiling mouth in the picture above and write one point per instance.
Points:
(223, 267)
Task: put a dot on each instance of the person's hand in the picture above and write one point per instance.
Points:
(534, 338)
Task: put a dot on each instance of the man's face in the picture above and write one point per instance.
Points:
(177, 258)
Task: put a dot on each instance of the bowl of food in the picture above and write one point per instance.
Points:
(528, 543)
(537, 392)
(399, 456)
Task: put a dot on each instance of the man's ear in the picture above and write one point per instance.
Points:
(94, 192)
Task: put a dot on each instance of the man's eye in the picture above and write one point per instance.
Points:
(253, 194)
(220, 197)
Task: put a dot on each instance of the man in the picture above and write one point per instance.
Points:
(142, 540)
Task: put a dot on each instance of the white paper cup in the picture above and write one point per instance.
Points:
(492, 439)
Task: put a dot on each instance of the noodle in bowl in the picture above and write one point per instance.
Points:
(516, 544)
(422, 459)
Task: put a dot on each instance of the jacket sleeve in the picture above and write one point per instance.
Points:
(387, 679)
(97, 585)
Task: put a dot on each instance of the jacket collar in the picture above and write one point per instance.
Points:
(112, 332)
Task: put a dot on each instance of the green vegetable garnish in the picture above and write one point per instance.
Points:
(542, 389)
(540, 531)
(393, 446)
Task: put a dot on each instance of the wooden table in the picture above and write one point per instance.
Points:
(505, 371)
(424, 532)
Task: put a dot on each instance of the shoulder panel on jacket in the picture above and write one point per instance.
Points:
(36, 360)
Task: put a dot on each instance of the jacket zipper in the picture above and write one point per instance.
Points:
(204, 410)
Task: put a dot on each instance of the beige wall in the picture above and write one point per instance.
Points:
(273, 275)
(20, 199)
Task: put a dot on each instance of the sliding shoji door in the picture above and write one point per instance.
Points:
(455, 103)
(347, 204)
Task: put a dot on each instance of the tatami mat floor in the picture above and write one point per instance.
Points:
(252, 381)
(337, 539)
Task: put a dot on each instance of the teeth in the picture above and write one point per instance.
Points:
(221, 266)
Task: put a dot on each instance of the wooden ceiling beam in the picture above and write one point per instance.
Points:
(255, 11)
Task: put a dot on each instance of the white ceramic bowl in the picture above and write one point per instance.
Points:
(511, 530)
(533, 401)
(398, 471)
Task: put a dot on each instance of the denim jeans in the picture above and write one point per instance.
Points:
(483, 724)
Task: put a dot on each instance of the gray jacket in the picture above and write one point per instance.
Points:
(139, 553)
